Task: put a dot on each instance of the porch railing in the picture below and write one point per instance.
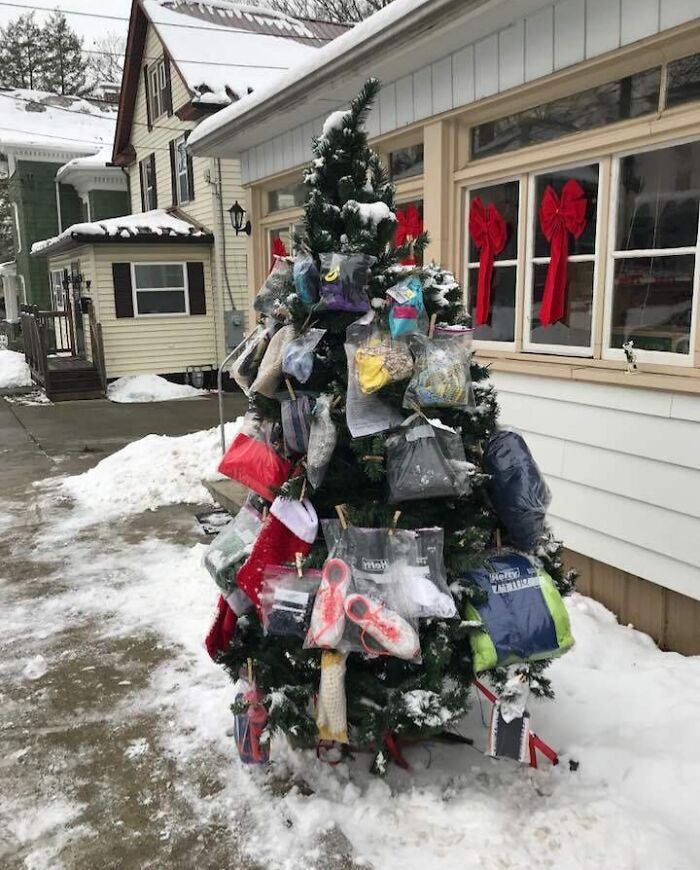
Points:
(97, 347)
(34, 347)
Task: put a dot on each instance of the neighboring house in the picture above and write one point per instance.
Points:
(498, 101)
(169, 283)
(39, 133)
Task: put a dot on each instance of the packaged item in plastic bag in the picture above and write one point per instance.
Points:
(381, 360)
(366, 413)
(344, 281)
(523, 618)
(441, 373)
(276, 288)
(323, 437)
(517, 489)
(249, 725)
(245, 367)
(286, 600)
(269, 375)
(407, 311)
(253, 460)
(232, 546)
(327, 625)
(425, 459)
(296, 420)
(331, 704)
(424, 580)
(298, 356)
(307, 280)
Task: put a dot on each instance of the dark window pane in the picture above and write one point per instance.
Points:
(574, 330)
(152, 275)
(501, 326)
(587, 177)
(652, 303)
(161, 302)
(658, 198)
(630, 97)
(683, 80)
(405, 162)
(291, 196)
(505, 198)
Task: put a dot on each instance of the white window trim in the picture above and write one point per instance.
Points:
(648, 356)
(184, 289)
(492, 344)
(528, 345)
(18, 228)
(157, 88)
(143, 169)
(182, 140)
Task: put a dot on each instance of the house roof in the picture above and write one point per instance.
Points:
(40, 119)
(159, 225)
(222, 50)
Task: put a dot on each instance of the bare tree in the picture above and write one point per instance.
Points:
(106, 59)
(346, 11)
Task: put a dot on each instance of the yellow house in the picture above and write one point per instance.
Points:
(169, 282)
(506, 103)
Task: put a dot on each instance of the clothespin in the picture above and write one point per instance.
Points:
(335, 401)
(303, 489)
(264, 513)
(433, 321)
(250, 671)
(498, 539)
(394, 521)
(298, 562)
(292, 394)
(372, 458)
(339, 509)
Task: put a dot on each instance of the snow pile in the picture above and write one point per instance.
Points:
(149, 388)
(372, 212)
(335, 121)
(147, 474)
(14, 371)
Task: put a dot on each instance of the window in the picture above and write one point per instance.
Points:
(183, 170)
(159, 288)
(683, 81)
(291, 196)
(18, 228)
(499, 322)
(149, 194)
(405, 162)
(58, 290)
(630, 97)
(158, 84)
(653, 272)
(572, 333)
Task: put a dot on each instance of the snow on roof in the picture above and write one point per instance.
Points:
(92, 162)
(157, 225)
(45, 120)
(225, 51)
(344, 44)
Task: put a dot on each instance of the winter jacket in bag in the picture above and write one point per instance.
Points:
(524, 618)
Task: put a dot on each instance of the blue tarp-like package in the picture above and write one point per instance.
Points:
(517, 489)
(523, 619)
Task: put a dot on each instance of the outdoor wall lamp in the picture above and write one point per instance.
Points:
(237, 213)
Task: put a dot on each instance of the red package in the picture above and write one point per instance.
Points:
(255, 464)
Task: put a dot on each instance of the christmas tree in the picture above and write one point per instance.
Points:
(350, 209)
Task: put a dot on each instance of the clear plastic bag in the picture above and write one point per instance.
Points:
(517, 489)
(253, 460)
(296, 420)
(344, 282)
(276, 288)
(307, 280)
(425, 579)
(407, 313)
(286, 600)
(249, 725)
(441, 375)
(269, 376)
(298, 356)
(425, 459)
(366, 414)
(232, 546)
(323, 437)
(245, 367)
(381, 360)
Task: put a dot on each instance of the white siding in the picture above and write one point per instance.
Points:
(624, 470)
(555, 37)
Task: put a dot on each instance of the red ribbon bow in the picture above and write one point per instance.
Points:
(489, 233)
(559, 216)
(408, 226)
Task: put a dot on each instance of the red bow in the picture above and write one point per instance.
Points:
(559, 216)
(408, 226)
(278, 250)
(489, 233)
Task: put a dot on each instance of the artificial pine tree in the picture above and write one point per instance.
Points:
(350, 209)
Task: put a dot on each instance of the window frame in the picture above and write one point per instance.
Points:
(181, 141)
(528, 345)
(645, 356)
(157, 87)
(57, 289)
(520, 178)
(144, 166)
(185, 289)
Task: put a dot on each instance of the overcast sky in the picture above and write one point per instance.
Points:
(88, 27)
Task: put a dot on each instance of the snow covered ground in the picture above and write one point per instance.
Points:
(14, 371)
(149, 388)
(625, 711)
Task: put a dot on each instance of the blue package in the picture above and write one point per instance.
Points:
(407, 312)
(307, 280)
